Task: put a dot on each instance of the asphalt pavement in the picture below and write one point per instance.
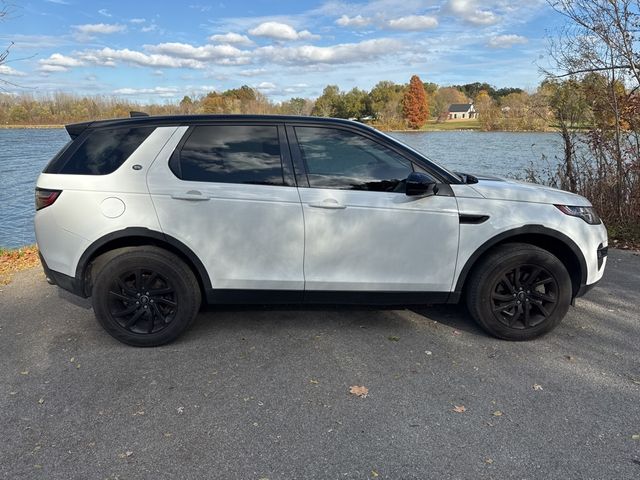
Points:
(263, 393)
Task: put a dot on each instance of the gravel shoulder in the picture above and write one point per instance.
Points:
(263, 393)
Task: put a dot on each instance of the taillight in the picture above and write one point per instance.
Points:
(45, 197)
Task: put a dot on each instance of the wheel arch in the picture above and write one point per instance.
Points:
(135, 237)
(548, 239)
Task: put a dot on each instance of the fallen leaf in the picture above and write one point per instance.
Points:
(537, 387)
(393, 338)
(571, 358)
(128, 454)
(25, 372)
(497, 413)
(456, 332)
(358, 391)
(41, 401)
(374, 474)
(428, 352)
(489, 461)
(180, 409)
(459, 408)
(315, 382)
(635, 437)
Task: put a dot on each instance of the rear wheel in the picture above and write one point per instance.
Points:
(519, 292)
(144, 296)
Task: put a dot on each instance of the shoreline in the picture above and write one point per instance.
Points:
(402, 130)
(26, 127)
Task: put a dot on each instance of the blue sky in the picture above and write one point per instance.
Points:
(152, 51)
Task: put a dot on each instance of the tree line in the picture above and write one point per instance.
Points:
(387, 105)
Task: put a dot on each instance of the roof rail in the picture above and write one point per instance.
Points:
(133, 114)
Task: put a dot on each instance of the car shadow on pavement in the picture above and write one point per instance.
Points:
(455, 317)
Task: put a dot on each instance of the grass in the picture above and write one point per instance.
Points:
(624, 236)
(434, 126)
(15, 260)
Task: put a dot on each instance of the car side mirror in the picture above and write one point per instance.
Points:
(420, 184)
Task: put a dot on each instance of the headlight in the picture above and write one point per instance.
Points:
(588, 214)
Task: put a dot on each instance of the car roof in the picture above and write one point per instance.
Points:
(76, 129)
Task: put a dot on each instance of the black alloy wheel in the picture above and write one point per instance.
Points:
(144, 296)
(524, 296)
(518, 291)
(142, 301)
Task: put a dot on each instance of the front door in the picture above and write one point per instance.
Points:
(362, 233)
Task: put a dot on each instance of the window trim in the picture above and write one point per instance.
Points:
(286, 166)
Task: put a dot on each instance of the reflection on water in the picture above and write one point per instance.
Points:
(25, 152)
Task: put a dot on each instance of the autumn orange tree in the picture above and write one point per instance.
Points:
(414, 104)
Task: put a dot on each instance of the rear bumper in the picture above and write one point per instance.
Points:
(71, 284)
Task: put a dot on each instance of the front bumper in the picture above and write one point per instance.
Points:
(601, 253)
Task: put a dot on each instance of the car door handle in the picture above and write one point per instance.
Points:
(329, 203)
(191, 195)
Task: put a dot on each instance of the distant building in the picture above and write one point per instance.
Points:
(461, 111)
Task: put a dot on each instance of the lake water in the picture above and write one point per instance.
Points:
(25, 152)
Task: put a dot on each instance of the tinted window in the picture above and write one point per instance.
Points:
(103, 151)
(341, 159)
(232, 154)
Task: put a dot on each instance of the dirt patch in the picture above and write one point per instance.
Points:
(12, 261)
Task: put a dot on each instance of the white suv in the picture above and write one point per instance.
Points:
(151, 215)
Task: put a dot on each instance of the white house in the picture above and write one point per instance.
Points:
(461, 111)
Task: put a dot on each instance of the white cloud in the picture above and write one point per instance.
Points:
(280, 31)
(137, 20)
(58, 63)
(149, 28)
(225, 54)
(7, 70)
(61, 60)
(252, 72)
(336, 54)
(52, 68)
(296, 88)
(104, 12)
(469, 11)
(99, 28)
(160, 91)
(88, 30)
(231, 38)
(109, 57)
(506, 41)
(413, 22)
(265, 87)
(357, 21)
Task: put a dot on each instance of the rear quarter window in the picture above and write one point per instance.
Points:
(101, 152)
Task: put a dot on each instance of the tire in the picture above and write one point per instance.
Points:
(144, 296)
(519, 292)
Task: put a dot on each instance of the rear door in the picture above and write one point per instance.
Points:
(228, 193)
(363, 233)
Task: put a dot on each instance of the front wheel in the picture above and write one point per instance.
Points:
(144, 296)
(519, 292)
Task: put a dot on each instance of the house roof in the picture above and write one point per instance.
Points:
(459, 107)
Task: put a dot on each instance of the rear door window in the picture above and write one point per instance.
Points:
(248, 154)
(102, 152)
